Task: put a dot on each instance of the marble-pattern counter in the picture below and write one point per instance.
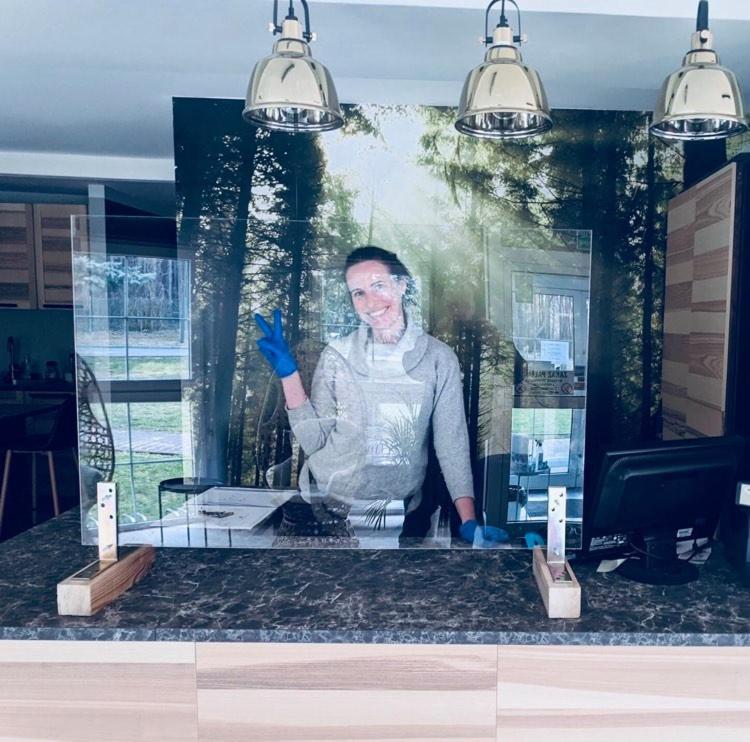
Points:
(337, 596)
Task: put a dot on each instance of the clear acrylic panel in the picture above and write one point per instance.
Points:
(539, 298)
(464, 379)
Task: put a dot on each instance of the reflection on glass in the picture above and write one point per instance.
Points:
(100, 282)
(100, 341)
(132, 316)
(158, 348)
(540, 297)
(148, 444)
(465, 378)
(155, 287)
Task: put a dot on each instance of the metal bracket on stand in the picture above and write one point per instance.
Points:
(554, 577)
(116, 571)
(106, 508)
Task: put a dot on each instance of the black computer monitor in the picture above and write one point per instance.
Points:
(649, 498)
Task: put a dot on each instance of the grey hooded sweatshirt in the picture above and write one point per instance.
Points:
(365, 428)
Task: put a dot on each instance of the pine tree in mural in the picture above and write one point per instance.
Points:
(214, 189)
(262, 213)
(254, 208)
(288, 199)
(595, 170)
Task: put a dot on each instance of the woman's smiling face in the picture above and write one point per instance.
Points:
(377, 297)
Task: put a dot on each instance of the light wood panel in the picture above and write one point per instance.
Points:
(93, 691)
(333, 692)
(68, 690)
(619, 694)
(699, 268)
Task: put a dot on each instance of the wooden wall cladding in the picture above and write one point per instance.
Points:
(350, 691)
(93, 691)
(620, 694)
(17, 269)
(700, 237)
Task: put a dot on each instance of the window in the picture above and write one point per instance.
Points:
(133, 317)
(132, 327)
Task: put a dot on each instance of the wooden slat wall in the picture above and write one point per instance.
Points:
(17, 274)
(620, 694)
(52, 230)
(319, 692)
(700, 229)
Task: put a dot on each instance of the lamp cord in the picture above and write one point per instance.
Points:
(701, 22)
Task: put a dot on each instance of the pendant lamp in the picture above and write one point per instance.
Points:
(502, 98)
(289, 90)
(702, 99)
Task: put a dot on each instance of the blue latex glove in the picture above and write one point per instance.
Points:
(489, 534)
(273, 346)
(533, 539)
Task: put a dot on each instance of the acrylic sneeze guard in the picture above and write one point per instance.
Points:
(177, 405)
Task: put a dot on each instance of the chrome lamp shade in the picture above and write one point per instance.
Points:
(701, 100)
(503, 98)
(290, 91)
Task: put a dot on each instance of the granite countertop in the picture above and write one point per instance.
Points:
(408, 596)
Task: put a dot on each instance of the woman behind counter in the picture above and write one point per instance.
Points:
(376, 394)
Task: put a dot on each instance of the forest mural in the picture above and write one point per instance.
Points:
(266, 217)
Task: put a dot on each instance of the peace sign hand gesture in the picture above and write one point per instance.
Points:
(274, 347)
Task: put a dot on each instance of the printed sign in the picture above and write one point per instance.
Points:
(556, 352)
(546, 381)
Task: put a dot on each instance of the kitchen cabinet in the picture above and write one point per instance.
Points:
(35, 255)
(17, 265)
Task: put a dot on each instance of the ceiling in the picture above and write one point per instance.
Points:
(87, 85)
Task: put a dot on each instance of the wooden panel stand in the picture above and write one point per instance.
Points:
(98, 584)
(562, 597)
